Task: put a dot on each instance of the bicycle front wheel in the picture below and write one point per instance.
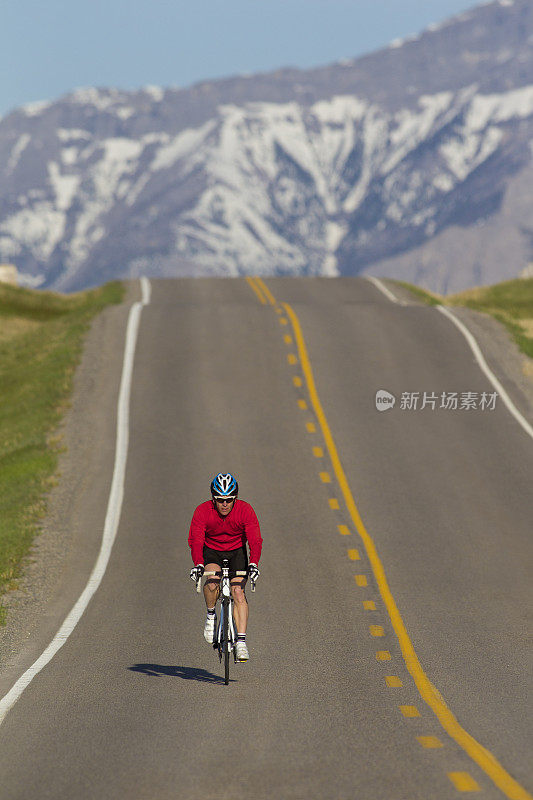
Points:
(226, 643)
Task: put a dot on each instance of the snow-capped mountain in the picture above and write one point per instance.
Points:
(413, 162)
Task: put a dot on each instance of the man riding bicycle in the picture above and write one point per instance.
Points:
(220, 529)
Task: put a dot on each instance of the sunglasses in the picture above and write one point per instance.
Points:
(224, 499)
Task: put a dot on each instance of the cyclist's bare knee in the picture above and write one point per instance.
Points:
(212, 583)
(237, 592)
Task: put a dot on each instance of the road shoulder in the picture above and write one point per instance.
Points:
(512, 367)
(65, 551)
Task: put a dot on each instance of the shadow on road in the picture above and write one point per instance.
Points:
(187, 673)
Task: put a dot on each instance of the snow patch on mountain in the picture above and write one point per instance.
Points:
(102, 100)
(106, 182)
(498, 108)
(34, 109)
(65, 186)
(155, 92)
(18, 148)
(467, 150)
(31, 281)
(184, 144)
(38, 228)
(125, 112)
(68, 134)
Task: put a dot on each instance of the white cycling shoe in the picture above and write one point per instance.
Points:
(241, 651)
(210, 627)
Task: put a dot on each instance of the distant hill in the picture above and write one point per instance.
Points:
(413, 162)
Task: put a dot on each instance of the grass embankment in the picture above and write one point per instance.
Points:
(510, 302)
(41, 337)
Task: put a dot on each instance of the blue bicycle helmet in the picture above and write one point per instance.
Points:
(224, 485)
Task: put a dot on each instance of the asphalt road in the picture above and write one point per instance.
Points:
(133, 705)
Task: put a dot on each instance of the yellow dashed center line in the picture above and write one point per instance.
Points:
(430, 742)
(257, 290)
(427, 691)
(394, 682)
(343, 530)
(463, 782)
(409, 711)
(291, 358)
(383, 655)
(353, 555)
(376, 630)
(270, 297)
(318, 452)
(288, 338)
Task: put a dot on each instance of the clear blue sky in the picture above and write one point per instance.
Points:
(49, 47)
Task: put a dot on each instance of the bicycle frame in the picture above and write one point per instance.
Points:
(225, 636)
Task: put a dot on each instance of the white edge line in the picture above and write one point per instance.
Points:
(382, 288)
(488, 372)
(477, 353)
(112, 518)
(146, 291)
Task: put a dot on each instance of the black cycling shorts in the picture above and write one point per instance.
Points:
(238, 559)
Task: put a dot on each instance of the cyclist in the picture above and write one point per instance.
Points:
(220, 529)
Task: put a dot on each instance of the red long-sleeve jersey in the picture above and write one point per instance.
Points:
(224, 533)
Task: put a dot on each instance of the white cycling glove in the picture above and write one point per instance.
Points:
(253, 572)
(197, 572)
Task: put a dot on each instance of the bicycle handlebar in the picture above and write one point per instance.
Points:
(238, 574)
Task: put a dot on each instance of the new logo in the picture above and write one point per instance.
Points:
(384, 400)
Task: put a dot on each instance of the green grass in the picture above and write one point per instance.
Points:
(510, 302)
(422, 294)
(41, 339)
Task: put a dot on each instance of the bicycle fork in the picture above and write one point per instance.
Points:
(226, 608)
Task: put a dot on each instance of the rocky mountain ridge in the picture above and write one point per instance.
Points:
(383, 165)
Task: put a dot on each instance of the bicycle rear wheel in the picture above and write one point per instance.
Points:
(226, 642)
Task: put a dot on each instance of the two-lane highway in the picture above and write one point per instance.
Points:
(133, 705)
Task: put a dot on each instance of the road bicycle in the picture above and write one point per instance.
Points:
(225, 635)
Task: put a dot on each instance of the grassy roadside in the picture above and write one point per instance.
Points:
(41, 338)
(510, 302)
